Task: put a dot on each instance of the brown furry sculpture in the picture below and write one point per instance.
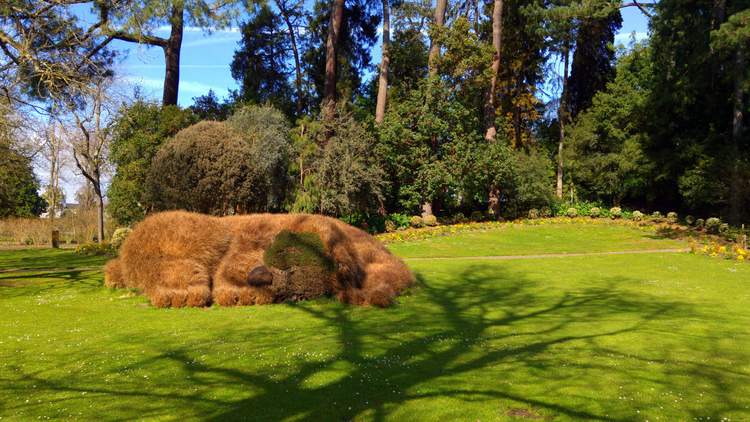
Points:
(179, 258)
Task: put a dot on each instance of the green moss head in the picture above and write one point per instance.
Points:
(300, 249)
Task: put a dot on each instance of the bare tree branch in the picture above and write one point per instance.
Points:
(641, 7)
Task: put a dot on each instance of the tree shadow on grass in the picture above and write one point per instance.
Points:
(485, 320)
(34, 283)
(46, 259)
(674, 233)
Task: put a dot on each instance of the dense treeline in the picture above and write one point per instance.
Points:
(495, 106)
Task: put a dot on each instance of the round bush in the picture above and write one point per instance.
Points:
(458, 218)
(119, 236)
(430, 220)
(416, 221)
(724, 228)
(690, 220)
(637, 215)
(699, 223)
(206, 168)
(713, 224)
(545, 212)
(672, 217)
(571, 212)
(533, 213)
(266, 130)
(615, 212)
(390, 226)
(477, 216)
(656, 215)
(595, 212)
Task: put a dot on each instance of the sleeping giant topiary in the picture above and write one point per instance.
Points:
(179, 259)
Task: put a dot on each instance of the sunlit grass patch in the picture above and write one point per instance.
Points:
(629, 337)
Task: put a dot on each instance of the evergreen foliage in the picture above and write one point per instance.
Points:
(19, 187)
(140, 131)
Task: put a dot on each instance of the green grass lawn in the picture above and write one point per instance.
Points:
(659, 336)
(520, 239)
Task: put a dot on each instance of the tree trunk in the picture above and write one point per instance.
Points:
(562, 115)
(426, 208)
(172, 56)
(99, 216)
(477, 16)
(736, 189)
(435, 46)
(384, 61)
(440, 8)
(53, 180)
(517, 141)
(334, 29)
(295, 52)
(497, 40)
(718, 14)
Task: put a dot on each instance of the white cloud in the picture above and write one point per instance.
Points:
(182, 66)
(231, 29)
(211, 41)
(187, 87)
(199, 88)
(626, 37)
(148, 83)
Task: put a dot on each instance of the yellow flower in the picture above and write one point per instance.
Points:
(740, 257)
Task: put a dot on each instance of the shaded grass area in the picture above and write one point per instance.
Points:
(35, 260)
(628, 337)
(536, 239)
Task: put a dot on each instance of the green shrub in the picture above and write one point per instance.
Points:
(724, 228)
(713, 224)
(656, 215)
(98, 249)
(372, 223)
(399, 220)
(430, 220)
(266, 130)
(477, 216)
(559, 209)
(140, 129)
(595, 212)
(615, 212)
(416, 221)
(533, 213)
(584, 207)
(390, 226)
(458, 218)
(571, 212)
(672, 217)
(205, 168)
(699, 223)
(637, 215)
(545, 212)
(119, 236)
(690, 220)
(348, 176)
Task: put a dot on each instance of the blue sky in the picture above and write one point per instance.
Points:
(206, 58)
